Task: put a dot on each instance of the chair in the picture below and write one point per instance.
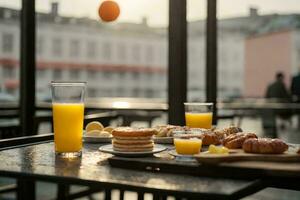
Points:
(11, 143)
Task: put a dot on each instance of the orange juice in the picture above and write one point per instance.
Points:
(68, 126)
(187, 146)
(198, 120)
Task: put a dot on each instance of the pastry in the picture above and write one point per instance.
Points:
(167, 130)
(236, 140)
(207, 137)
(210, 138)
(222, 133)
(265, 146)
(127, 139)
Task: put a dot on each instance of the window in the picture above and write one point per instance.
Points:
(135, 92)
(107, 74)
(8, 72)
(107, 55)
(92, 92)
(74, 48)
(74, 73)
(57, 47)
(149, 55)
(7, 43)
(121, 75)
(57, 74)
(92, 74)
(136, 53)
(136, 75)
(121, 52)
(149, 93)
(106, 51)
(41, 73)
(40, 45)
(91, 49)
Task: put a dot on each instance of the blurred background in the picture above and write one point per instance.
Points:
(258, 56)
(129, 57)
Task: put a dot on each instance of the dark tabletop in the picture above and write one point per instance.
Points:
(40, 161)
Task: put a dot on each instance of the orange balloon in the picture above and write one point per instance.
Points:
(109, 11)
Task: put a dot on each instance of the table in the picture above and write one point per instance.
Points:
(38, 162)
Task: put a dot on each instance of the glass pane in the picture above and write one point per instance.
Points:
(9, 50)
(124, 58)
(120, 60)
(196, 15)
(257, 41)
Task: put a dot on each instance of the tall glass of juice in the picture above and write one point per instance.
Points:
(68, 113)
(198, 115)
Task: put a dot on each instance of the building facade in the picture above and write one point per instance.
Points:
(126, 59)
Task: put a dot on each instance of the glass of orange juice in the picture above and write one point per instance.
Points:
(198, 115)
(68, 113)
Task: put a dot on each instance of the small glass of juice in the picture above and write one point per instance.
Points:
(68, 114)
(198, 115)
(188, 146)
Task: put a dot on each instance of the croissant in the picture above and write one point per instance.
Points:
(236, 140)
(208, 138)
(265, 146)
(222, 133)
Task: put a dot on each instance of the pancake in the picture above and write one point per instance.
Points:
(133, 150)
(133, 146)
(133, 138)
(127, 139)
(129, 142)
(133, 132)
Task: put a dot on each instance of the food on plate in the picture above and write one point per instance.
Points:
(93, 133)
(128, 139)
(94, 125)
(187, 146)
(97, 133)
(210, 138)
(207, 137)
(236, 140)
(167, 130)
(265, 146)
(108, 129)
(213, 149)
(222, 133)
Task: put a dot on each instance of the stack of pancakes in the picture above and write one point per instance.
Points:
(127, 139)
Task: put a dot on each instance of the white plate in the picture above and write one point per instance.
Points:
(181, 157)
(163, 140)
(96, 139)
(109, 149)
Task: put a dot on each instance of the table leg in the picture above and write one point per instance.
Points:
(25, 189)
(141, 195)
(63, 191)
(107, 194)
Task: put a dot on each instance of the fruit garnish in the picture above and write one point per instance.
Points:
(94, 126)
(213, 149)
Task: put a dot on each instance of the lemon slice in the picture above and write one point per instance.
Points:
(94, 126)
(93, 133)
(104, 134)
(108, 129)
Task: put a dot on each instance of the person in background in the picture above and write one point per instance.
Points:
(278, 92)
(295, 90)
(295, 87)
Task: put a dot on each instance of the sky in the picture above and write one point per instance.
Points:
(156, 11)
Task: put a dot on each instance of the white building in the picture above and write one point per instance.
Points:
(122, 59)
